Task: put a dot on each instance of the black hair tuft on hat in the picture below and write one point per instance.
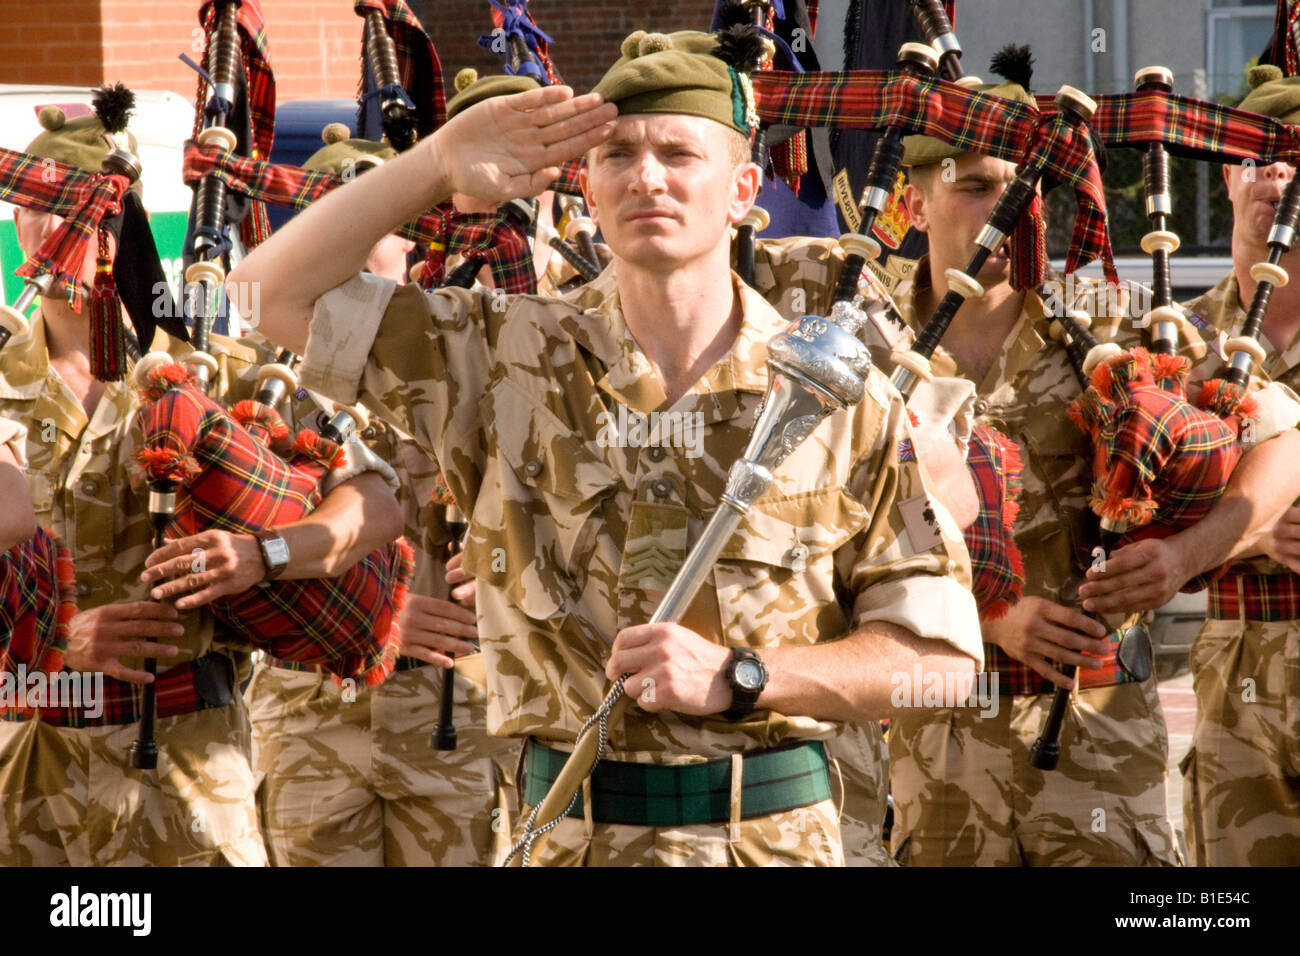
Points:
(113, 105)
(742, 47)
(1014, 63)
(734, 13)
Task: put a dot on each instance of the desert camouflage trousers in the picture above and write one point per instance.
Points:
(347, 777)
(965, 793)
(860, 776)
(1241, 779)
(806, 836)
(70, 797)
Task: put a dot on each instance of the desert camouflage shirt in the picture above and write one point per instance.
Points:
(1219, 315)
(82, 474)
(539, 412)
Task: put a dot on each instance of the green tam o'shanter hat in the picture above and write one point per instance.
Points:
(472, 88)
(86, 141)
(692, 73)
(1272, 94)
(342, 152)
(1016, 66)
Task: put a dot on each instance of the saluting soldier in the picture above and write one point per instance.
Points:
(348, 775)
(574, 537)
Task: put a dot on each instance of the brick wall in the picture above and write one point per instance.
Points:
(314, 43)
(586, 32)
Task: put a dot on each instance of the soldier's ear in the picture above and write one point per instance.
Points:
(917, 209)
(583, 178)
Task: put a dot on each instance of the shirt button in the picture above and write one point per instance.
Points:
(83, 589)
(661, 488)
(981, 406)
(89, 486)
(657, 453)
(533, 468)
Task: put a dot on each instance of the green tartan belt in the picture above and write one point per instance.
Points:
(662, 795)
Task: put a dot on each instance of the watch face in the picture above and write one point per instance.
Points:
(749, 674)
(277, 551)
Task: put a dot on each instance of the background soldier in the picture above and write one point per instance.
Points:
(69, 795)
(1241, 794)
(347, 774)
(963, 787)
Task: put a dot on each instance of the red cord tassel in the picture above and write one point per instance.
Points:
(107, 336)
(1029, 248)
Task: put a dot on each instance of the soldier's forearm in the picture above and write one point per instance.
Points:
(329, 242)
(1265, 483)
(857, 678)
(18, 521)
(354, 519)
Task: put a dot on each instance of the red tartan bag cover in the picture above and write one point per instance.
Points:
(998, 570)
(1160, 463)
(231, 481)
(37, 600)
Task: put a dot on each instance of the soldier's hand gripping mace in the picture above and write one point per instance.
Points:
(816, 366)
(859, 247)
(913, 364)
(1159, 243)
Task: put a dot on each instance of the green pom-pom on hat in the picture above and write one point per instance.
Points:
(1273, 94)
(84, 142)
(342, 153)
(479, 88)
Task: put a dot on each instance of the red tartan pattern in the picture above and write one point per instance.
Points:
(1016, 678)
(233, 483)
(1256, 597)
(1158, 458)
(998, 570)
(37, 600)
(175, 695)
(490, 237)
(260, 84)
(568, 182)
(871, 99)
(419, 69)
(1185, 125)
(82, 199)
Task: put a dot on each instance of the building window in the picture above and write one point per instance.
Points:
(1236, 34)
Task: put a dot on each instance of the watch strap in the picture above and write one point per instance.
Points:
(742, 698)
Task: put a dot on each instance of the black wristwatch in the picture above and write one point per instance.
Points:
(275, 553)
(747, 677)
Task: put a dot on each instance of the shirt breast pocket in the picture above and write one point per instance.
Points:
(1054, 519)
(42, 490)
(776, 578)
(543, 510)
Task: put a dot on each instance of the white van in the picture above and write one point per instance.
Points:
(161, 122)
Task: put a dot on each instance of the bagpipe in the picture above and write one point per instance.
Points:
(443, 736)
(240, 93)
(209, 469)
